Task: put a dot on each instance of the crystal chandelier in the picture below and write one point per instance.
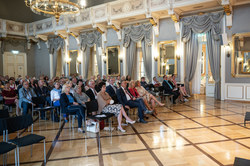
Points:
(55, 7)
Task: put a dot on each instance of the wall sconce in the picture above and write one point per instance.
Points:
(67, 60)
(228, 50)
(79, 59)
(178, 54)
(239, 59)
(104, 58)
(156, 58)
(178, 57)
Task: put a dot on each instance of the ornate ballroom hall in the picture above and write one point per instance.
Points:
(125, 82)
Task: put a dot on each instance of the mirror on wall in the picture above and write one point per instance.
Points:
(73, 65)
(167, 62)
(241, 55)
(113, 62)
(245, 65)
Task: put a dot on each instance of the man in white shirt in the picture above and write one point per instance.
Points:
(92, 92)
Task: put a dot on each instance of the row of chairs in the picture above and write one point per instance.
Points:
(15, 124)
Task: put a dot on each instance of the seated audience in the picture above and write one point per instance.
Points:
(111, 90)
(25, 97)
(69, 105)
(80, 83)
(44, 95)
(169, 89)
(104, 78)
(92, 92)
(98, 80)
(86, 85)
(55, 94)
(71, 86)
(105, 105)
(80, 96)
(146, 95)
(127, 100)
(43, 91)
(10, 97)
(12, 84)
(135, 94)
(156, 83)
(50, 85)
(117, 81)
(180, 86)
(128, 78)
(74, 82)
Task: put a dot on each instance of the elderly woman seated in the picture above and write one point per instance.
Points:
(105, 105)
(80, 96)
(69, 105)
(146, 95)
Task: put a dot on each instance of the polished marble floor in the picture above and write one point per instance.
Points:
(201, 132)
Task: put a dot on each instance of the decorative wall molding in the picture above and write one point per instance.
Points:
(237, 91)
(101, 14)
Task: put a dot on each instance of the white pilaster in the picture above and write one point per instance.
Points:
(51, 66)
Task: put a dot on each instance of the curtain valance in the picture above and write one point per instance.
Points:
(202, 24)
(55, 44)
(88, 39)
(136, 33)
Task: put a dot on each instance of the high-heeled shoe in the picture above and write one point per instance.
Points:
(162, 104)
(130, 122)
(121, 130)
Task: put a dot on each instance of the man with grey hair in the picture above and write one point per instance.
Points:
(92, 91)
(111, 89)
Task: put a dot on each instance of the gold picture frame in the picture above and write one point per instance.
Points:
(72, 51)
(118, 60)
(174, 42)
(235, 71)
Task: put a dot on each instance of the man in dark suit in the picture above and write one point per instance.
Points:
(169, 88)
(111, 90)
(91, 92)
(44, 94)
(126, 99)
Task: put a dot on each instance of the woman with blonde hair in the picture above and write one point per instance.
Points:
(135, 93)
(70, 83)
(69, 105)
(146, 95)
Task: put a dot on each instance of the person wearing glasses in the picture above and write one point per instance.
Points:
(25, 97)
(69, 105)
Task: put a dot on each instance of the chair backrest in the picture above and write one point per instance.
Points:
(241, 162)
(3, 126)
(18, 123)
(92, 106)
(4, 113)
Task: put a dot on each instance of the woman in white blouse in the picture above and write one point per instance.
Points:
(55, 94)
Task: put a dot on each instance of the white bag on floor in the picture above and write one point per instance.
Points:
(94, 127)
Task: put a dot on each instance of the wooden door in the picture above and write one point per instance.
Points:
(14, 64)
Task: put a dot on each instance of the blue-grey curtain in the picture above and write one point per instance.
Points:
(131, 58)
(211, 25)
(191, 50)
(134, 34)
(54, 45)
(213, 52)
(88, 40)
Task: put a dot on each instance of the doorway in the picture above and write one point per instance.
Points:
(14, 64)
(203, 82)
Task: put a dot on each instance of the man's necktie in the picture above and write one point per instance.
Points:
(131, 97)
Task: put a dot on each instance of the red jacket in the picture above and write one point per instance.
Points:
(133, 92)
